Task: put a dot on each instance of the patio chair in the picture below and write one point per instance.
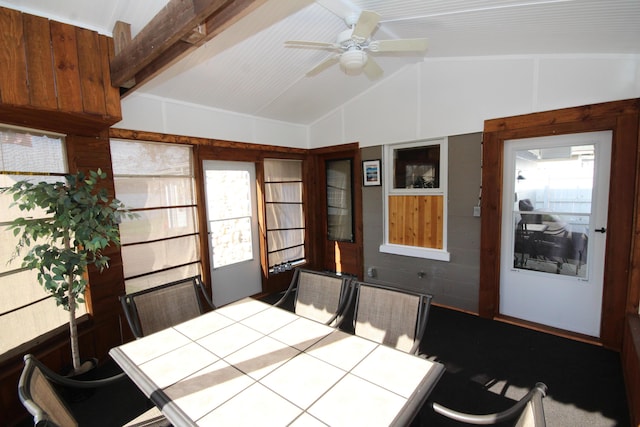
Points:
(319, 296)
(526, 412)
(160, 307)
(38, 394)
(391, 316)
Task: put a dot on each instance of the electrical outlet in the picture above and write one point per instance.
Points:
(371, 272)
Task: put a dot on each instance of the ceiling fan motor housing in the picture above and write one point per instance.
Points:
(353, 60)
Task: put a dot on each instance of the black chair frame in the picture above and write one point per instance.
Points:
(423, 309)
(40, 417)
(129, 304)
(534, 396)
(346, 294)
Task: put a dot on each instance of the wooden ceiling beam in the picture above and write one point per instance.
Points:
(169, 36)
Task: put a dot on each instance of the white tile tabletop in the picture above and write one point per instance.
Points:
(249, 363)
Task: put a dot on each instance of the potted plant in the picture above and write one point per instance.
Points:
(81, 222)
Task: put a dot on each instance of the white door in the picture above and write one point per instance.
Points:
(554, 230)
(232, 228)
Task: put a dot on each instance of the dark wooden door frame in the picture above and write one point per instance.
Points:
(621, 286)
(320, 156)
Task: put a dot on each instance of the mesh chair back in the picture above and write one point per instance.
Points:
(527, 418)
(38, 395)
(319, 296)
(40, 398)
(527, 412)
(155, 309)
(533, 413)
(392, 317)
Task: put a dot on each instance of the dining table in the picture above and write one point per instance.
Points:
(250, 363)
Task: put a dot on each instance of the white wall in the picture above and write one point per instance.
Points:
(153, 114)
(454, 96)
(438, 97)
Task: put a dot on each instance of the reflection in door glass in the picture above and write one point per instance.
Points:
(552, 209)
(229, 207)
(339, 201)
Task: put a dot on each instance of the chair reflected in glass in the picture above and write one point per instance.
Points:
(154, 309)
(319, 296)
(549, 242)
(391, 316)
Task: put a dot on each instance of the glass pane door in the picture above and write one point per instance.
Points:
(554, 217)
(552, 212)
(229, 208)
(339, 200)
(230, 189)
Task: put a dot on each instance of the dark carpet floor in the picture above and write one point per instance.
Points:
(489, 365)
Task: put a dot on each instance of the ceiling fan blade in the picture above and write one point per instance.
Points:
(367, 22)
(305, 43)
(399, 45)
(372, 69)
(333, 59)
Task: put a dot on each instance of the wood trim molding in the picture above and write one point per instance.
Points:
(621, 283)
(137, 135)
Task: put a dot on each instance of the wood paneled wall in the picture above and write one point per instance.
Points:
(55, 76)
(631, 366)
(416, 221)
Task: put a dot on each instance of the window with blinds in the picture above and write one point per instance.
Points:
(284, 213)
(157, 182)
(27, 312)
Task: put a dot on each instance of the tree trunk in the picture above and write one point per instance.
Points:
(73, 329)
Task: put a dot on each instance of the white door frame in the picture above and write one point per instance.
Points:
(242, 279)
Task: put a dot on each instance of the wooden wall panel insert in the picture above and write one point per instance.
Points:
(13, 78)
(66, 69)
(112, 95)
(416, 221)
(90, 69)
(42, 88)
(55, 76)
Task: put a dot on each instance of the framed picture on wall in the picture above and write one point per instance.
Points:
(371, 173)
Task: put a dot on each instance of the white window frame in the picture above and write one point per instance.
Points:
(388, 190)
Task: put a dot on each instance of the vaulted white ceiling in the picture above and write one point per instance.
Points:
(248, 69)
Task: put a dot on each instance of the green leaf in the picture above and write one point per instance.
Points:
(82, 214)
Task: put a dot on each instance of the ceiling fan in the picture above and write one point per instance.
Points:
(353, 44)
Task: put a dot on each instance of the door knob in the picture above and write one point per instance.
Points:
(600, 230)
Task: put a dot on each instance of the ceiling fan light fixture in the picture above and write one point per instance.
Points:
(352, 61)
(352, 44)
